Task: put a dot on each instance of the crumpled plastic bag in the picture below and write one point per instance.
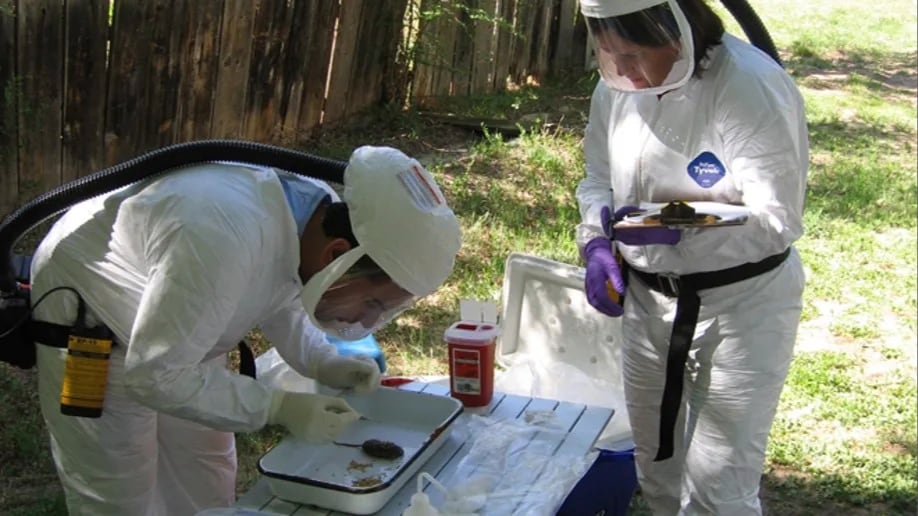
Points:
(512, 468)
(528, 376)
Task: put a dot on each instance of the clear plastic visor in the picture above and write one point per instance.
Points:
(353, 304)
(648, 51)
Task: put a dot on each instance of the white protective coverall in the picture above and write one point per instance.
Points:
(181, 267)
(737, 135)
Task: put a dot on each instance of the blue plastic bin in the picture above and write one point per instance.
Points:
(365, 346)
(606, 488)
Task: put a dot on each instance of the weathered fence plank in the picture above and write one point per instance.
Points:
(82, 149)
(79, 92)
(235, 53)
(196, 69)
(463, 52)
(342, 64)
(450, 31)
(319, 38)
(160, 127)
(434, 49)
(395, 65)
(521, 51)
(297, 76)
(506, 10)
(365, 80)
(377, 45)
(9, 102)
(392, 63)
(40, 73)
(270, 27)
(567, 12)
(579, 45)
(481, 79)
(130, 78)
(541, 65)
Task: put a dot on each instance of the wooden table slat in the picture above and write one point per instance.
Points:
(584, 434)
(256, 497)
(278, 506)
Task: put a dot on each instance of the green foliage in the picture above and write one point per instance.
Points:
(25, 458)
(422, 41)
(866, 451)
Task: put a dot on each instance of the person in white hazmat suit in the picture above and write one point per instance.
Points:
(686, 112)
(180, 268)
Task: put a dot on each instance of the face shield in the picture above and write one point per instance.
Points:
(400, 220)
(641, 45)
(349, 303)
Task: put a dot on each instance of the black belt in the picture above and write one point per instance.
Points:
(685, 289)
(58, 335)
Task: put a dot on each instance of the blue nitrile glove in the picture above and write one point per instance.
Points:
(644, 235)
(601, 268)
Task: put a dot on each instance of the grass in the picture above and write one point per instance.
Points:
(844, 440)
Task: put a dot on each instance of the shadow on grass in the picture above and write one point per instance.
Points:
(892, 72)
(858, 181)
(788, 493)
(30, 484)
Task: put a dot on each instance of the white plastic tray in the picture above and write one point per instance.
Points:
(346, 479)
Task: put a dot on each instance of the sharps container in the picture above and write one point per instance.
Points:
(471, 361)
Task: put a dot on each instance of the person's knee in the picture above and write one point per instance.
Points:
(729, 485)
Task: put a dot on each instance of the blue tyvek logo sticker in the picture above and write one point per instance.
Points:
(706, 170)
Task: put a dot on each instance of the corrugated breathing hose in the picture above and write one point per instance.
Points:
(148, 165)
(753, 27)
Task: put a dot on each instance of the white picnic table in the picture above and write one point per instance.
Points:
(583, 424)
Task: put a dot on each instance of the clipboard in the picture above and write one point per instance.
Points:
(678, 214)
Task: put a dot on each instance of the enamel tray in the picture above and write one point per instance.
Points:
(345, 478)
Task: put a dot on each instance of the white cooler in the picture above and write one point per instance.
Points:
(553, 344)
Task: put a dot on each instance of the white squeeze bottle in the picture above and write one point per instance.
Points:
(420, 506)
(420, 503)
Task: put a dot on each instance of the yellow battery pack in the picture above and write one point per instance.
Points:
(85, 375)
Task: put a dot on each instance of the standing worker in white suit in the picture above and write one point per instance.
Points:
(687, 112)
(179, 268)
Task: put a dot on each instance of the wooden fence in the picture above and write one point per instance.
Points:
(85, 84)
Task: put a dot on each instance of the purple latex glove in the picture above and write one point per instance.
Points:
(601, 267)
(639, 235)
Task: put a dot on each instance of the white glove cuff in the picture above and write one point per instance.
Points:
(586, 232)
(277, 398)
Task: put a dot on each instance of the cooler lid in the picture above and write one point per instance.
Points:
(545, 315)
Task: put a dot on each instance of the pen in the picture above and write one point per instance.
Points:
(610, 232)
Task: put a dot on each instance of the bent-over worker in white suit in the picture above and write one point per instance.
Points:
(179, 268)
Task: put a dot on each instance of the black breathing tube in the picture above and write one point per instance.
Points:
(148, 165)
(752, 25)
